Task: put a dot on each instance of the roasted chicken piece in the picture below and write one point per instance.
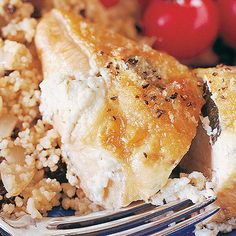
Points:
(213, 151)
(126, 113)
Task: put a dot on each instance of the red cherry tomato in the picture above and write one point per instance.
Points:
(109, 3)
(227, 9)
(183, 28)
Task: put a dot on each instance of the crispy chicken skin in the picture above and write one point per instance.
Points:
(126, 113)
(213, 150)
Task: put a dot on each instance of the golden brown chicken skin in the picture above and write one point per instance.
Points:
(126, 113)
(213, 150)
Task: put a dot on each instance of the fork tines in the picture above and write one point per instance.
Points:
(139, 219)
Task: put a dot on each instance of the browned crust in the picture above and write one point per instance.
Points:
(152, 102)
(166, 93)
(222, 82)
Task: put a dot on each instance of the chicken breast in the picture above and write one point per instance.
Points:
(213, 151)
(126, 113)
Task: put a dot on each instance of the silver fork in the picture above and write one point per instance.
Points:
(137, 219)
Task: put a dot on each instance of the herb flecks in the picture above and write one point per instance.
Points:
(144, 86)
(174, 96)
(108, 66)
(153, 98)
(82, 12)
(132, 61)
(114, 98)
(159, 113)
(98, 74)
(189, 104)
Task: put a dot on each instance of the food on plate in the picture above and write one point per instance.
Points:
(126, 113)
(36, 172)
(213, 151)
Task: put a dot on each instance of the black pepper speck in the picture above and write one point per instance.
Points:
(132, 61)
(174, 96)
(82, 12)
(114, 98)
(145, 86)
(159, 113)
